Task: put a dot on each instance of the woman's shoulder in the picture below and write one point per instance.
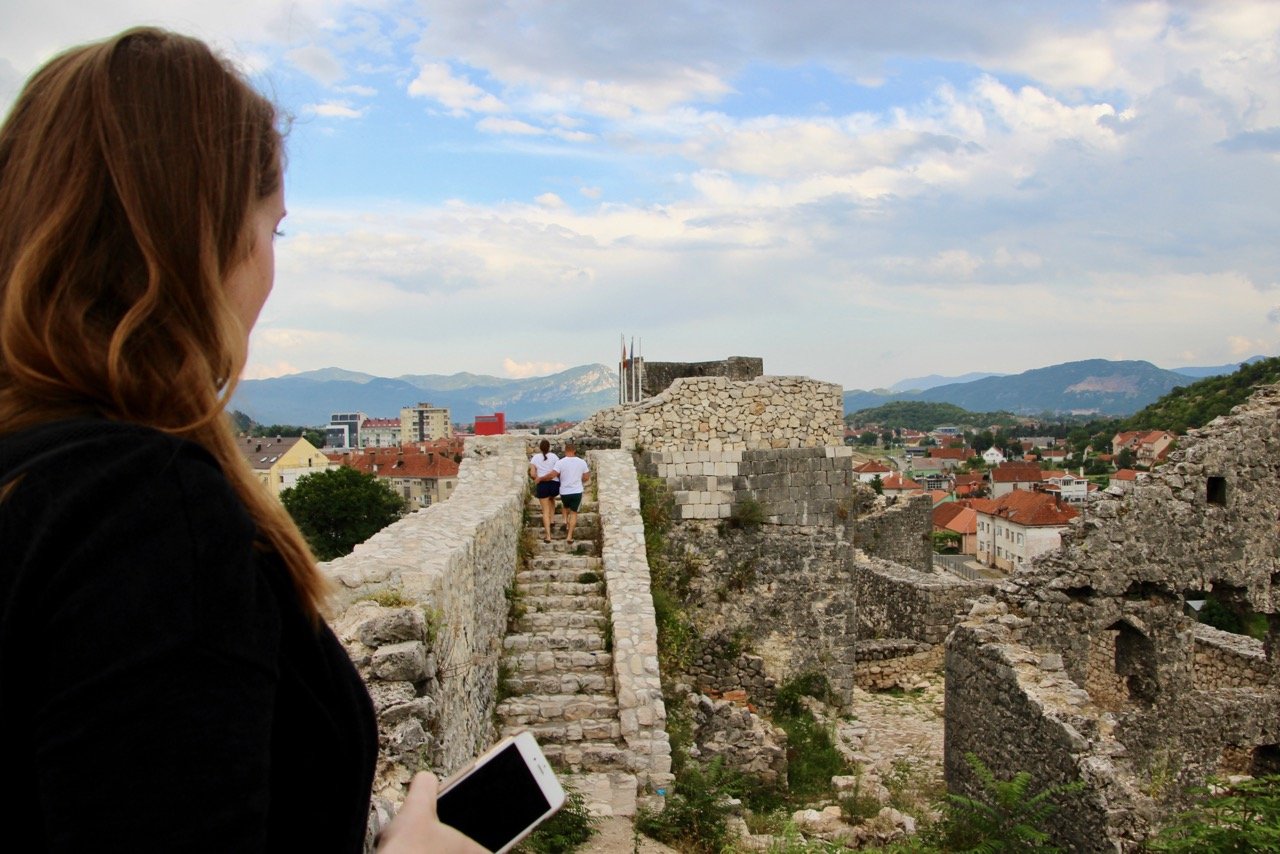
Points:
(99, 457)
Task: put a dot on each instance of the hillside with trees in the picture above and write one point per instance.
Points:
(1190, 406)
(918, 415)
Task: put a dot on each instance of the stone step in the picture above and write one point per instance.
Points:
(600, 733)
(569, 640)
(560, 548)
(587, 756)
(561, 568)
(561, 683)
(596, 715)
(562, 602)
(559, 662)
(574, 570)
(536, 621)
(607, 793)
(561, 588)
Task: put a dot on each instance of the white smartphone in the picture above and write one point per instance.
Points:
(503, 795)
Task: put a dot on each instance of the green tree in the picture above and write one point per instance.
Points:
(341, 508)
(868, 437)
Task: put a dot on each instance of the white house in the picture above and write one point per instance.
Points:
(992, 456)
(1017, 527)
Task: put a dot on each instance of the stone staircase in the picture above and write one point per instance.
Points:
(560, 666)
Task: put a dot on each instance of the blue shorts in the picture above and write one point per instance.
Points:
(548, 489)
(572, 501)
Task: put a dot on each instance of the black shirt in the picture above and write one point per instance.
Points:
(160, 687)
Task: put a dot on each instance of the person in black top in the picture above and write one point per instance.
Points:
(167, 681)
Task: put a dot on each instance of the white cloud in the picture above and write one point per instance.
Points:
(437, 81)
(508, 126)
(362, 91)
(523, 370)
(337, 110)
(550, 200)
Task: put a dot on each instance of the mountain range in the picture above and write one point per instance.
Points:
(309, 398)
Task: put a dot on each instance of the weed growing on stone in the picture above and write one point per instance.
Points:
(516, 608)
(565, 831)
(588, 577)
(696, 814)
(812, 757)
(858, 806)
(386, 598)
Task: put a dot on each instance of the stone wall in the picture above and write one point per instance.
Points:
(635, 632)
(888, 664)
(1225, 661)
(896, 601)
(658, 376)
(431, 660)
(1159, 707)
(722, 666)
(718, 414)
(779, 593)
(896, 528)
(605, 424)
(801, 486)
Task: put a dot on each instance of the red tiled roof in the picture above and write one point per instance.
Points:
(951, 453)
(1017, 473)
(964, 522)
(1029, 509)
(898, 482)
(944, 513)
(406, 461)
(1125, 474)
(872, 467)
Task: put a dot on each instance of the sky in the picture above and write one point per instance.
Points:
(855, 190)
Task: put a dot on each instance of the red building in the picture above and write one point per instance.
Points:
(491, 425)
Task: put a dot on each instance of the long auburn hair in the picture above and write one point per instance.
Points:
(128, 172)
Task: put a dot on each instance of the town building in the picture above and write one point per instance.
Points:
(419, 473)
(281, 460)
(380, 433)
(1147, 446)
(958, 518)
(1018, 526)
(1007, 477)
(491, 425)
(343, 430)
(424, 422)
(870, 470)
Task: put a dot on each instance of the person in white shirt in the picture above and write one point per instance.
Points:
(574, 475)
(540, 465)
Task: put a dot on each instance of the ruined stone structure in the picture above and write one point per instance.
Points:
(1086, 665)
(422, 609)
(658, 376)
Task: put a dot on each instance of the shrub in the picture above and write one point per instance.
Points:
(1242, 816)
(696, 815)
(747, 514)
(1005, 817)
(565, 831)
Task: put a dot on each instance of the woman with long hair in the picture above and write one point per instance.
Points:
(541, 464)
(167, 681)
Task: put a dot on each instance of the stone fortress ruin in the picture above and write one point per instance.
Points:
(1085, 665)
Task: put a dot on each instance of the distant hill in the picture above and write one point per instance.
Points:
(933, 380)
(1217, 370)
(1098, 386)
(310, 398)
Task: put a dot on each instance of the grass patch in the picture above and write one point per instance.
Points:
(387, 599)
(812, 757)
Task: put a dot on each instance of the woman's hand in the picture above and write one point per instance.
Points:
(417, 830)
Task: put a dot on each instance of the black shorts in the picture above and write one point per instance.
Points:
(548, 489)
(572, 501)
